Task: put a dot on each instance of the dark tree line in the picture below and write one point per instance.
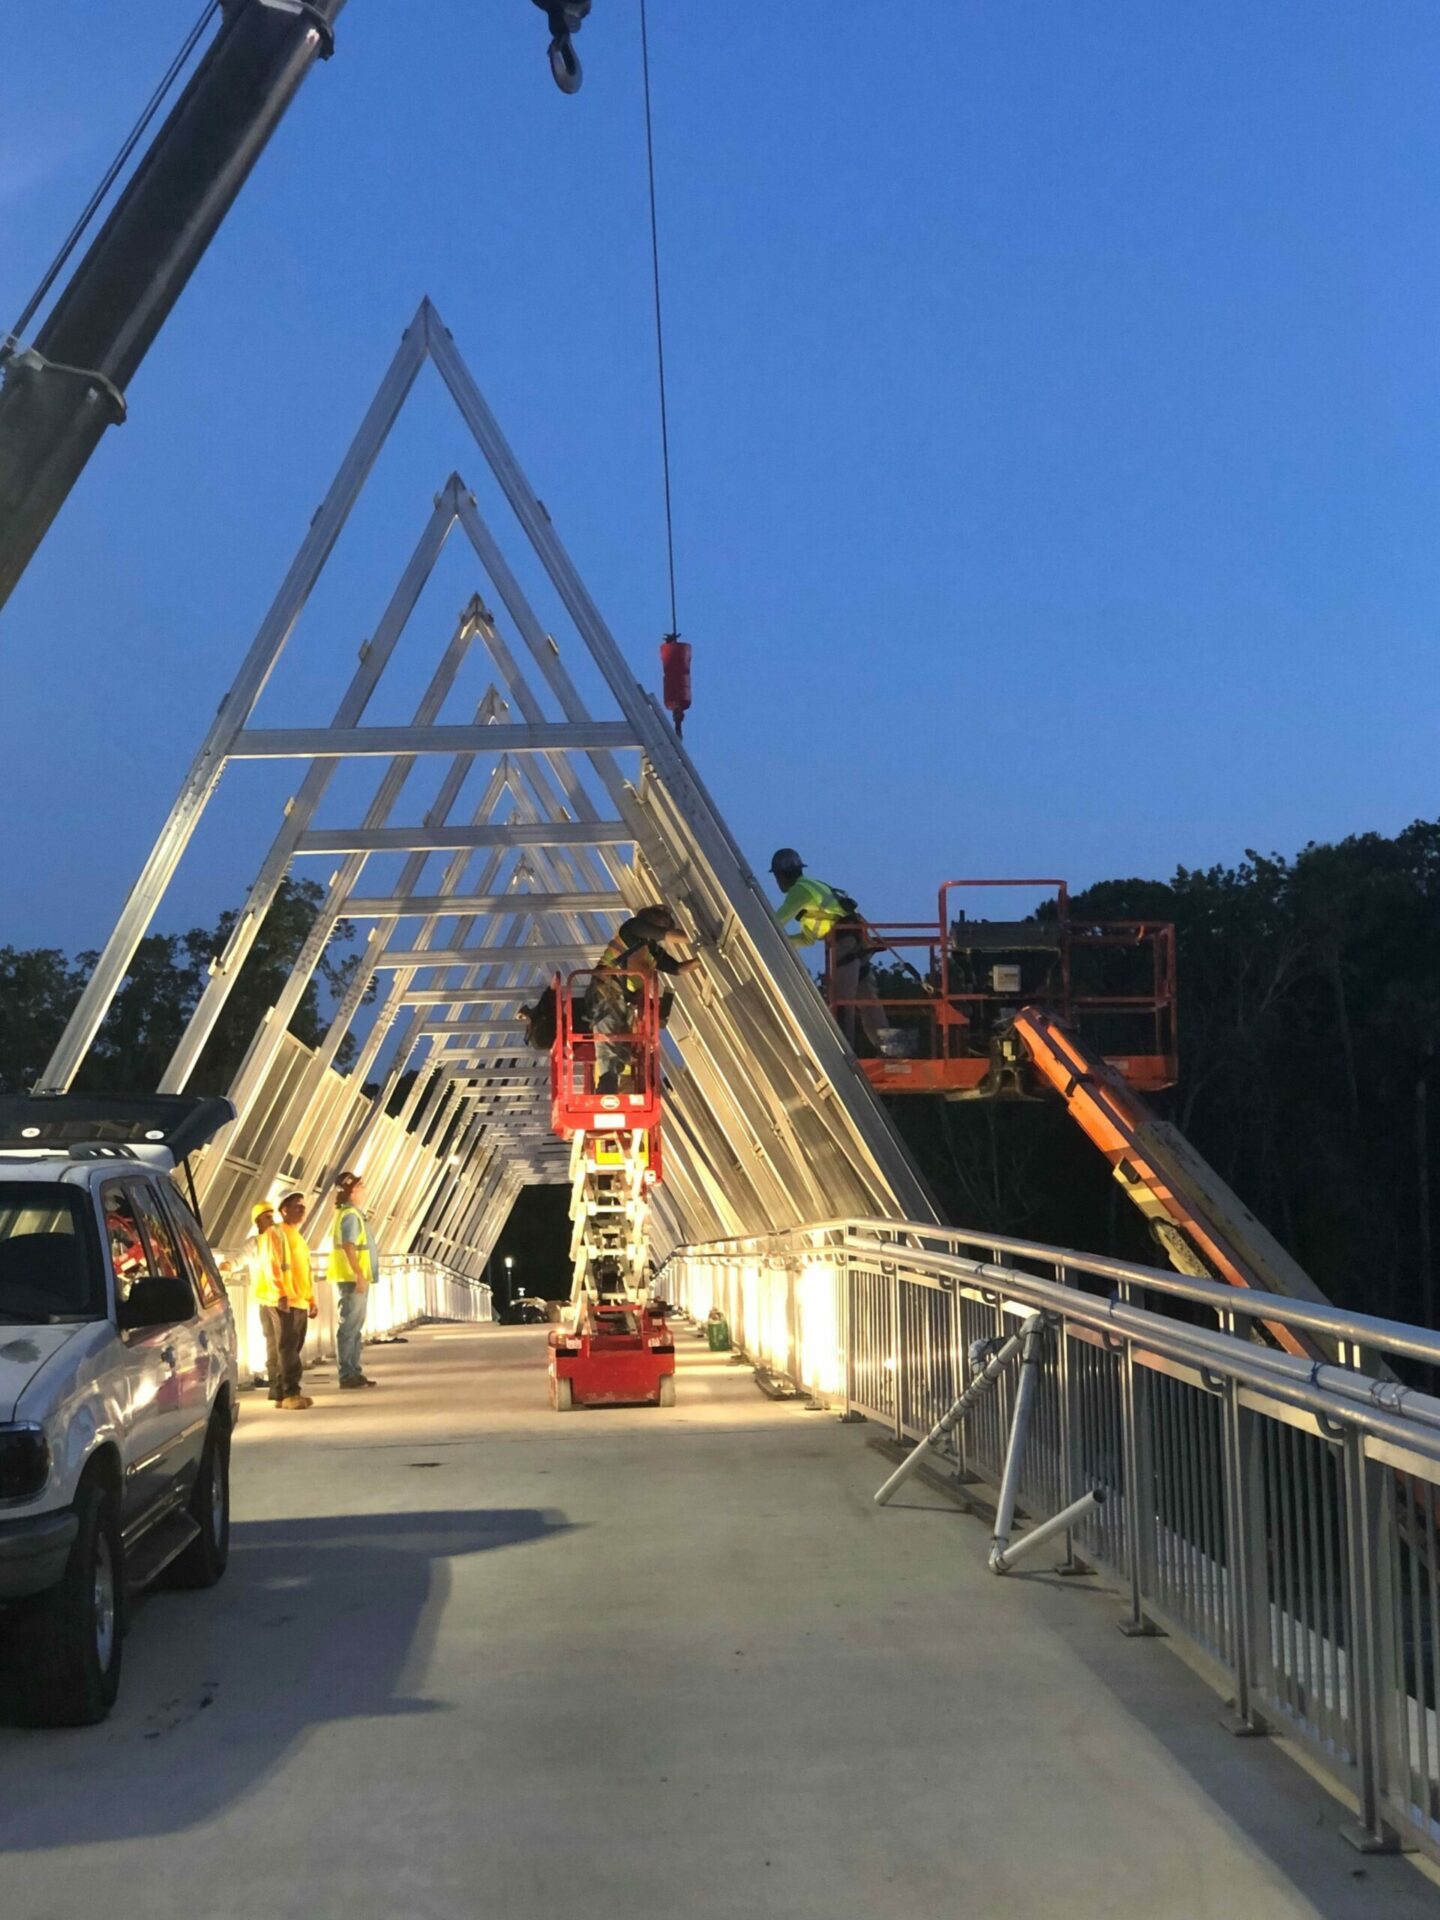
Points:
(1309, 1024)
(39, 987)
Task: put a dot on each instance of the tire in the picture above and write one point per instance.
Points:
(68, 1644)
(667, 1390)
(204, 1561)
(562, 1398)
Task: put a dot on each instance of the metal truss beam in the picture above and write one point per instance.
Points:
(385, 906)
(578, 955)
(347, 743)
(466, 996)
(542, 833)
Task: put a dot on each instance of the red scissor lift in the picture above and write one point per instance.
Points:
(617, 1347)
(949, 1019)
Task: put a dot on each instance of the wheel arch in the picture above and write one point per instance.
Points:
(103, 1466)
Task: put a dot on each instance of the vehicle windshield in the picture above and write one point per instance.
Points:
(48, 1268)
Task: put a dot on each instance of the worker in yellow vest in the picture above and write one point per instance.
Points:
(823, 912)
(282, 1316)
(353, 1265)
(293, 1208)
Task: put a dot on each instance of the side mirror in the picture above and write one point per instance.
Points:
(157, 1301)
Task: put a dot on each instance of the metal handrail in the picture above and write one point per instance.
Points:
(1372, 1331)
(1281, 1514)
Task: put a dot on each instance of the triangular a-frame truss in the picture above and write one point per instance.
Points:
(548, 824)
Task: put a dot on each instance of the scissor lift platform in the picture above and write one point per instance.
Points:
(616, 1348)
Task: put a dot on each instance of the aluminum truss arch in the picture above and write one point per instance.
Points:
(549, 822)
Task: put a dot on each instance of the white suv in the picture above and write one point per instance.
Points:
(118, 1385)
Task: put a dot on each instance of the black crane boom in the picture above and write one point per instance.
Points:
(66, 387)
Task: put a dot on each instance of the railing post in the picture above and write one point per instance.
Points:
(1245, 1557)
(1371, 1664)
(961, 1374)
(1139, 1489)
(891, 1272)
(844, 1319)
(794, 1361)
(1070, 1490)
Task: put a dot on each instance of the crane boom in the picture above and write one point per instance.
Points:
(62, 391)
(64, 388)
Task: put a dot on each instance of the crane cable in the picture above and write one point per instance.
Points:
(674, 652)
(659, 322)
(12, 340)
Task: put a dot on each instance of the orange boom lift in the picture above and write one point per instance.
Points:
(1084, 1009)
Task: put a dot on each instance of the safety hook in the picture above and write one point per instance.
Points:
(565, 18)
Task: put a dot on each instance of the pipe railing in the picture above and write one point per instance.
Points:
(1278, 1514)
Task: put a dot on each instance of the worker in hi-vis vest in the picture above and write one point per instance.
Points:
(282, 1315)
(819, 910)
(353, 1265)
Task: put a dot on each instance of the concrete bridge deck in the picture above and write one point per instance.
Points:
(474, 1659)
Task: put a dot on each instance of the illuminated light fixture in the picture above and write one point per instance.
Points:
(29, 1133)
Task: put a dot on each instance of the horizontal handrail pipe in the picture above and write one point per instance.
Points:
(1370, 1331)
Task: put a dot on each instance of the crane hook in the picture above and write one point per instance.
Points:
(566, 18)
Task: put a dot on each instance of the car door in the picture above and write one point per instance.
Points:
(187, 1340)
(215, 1328)
(151, 1400)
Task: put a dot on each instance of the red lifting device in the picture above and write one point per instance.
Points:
(605, 1096)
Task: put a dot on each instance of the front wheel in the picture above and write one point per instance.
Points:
(667, 1390)
(203, 1562)
(68, 1642)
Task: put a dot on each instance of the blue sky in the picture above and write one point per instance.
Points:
(1054, 411)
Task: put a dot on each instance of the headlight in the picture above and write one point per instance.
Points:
(24, 1461)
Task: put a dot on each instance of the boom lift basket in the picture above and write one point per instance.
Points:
(956, 985)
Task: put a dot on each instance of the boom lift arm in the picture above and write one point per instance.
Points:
(1205, 1229)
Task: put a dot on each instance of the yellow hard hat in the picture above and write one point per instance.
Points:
(260, 1209)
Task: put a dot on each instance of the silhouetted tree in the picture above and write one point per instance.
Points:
(38, 989)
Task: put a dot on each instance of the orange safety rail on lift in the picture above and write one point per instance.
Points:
(1114, 980)
(601, 1081)
(1115, 1120)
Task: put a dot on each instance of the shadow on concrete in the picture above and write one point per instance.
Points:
(316, 1621)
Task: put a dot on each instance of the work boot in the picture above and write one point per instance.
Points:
(296, 1402)
(346, 1384)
